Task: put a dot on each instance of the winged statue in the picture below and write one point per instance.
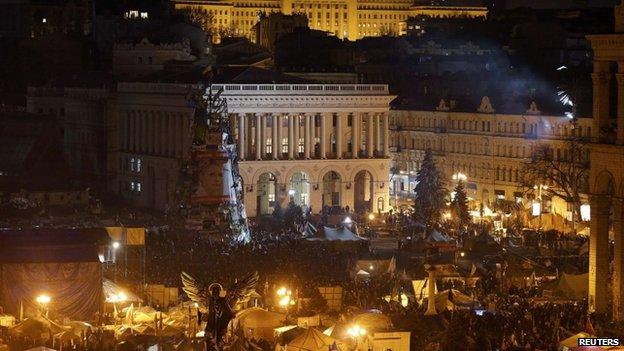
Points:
(218, 303)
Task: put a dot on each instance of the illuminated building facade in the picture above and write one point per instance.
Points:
(607, 170)
(317, 145)
(348, 19)
(485, 147)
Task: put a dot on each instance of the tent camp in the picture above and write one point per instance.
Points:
(112, 291)
(314, 340)
(336, 234)
(376, 267)
(452, 299)
(258, 323)
(373, 321)
(34, 327)
(421, 289)
(569, 286)
(62, 262)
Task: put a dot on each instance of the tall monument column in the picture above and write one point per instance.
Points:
(599, 253)
(601, 79)
(618, 259)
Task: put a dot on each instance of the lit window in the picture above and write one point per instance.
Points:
(135, 186)
(135, 164)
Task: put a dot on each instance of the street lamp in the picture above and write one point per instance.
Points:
(285, 299)
(539, 188)
(116, 245)
(356, 332)
(43, 300)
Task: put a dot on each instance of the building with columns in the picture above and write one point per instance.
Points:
(348, 19)
(488, 148)
(317, 145)
(607, 170)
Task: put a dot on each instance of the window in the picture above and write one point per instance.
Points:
(135, 164)
(135, 186)
(300, 148)
(284, 145)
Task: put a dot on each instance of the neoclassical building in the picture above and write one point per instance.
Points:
(317, 145)
(350, 19)
(486, 147)
(607, 170)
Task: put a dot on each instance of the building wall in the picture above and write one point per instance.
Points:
(144, 57)
(351, 19)
(488, 148)
(82, 115)
(317, 126)
(151, 137)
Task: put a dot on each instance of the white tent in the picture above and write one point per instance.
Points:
(337, 234)
(258, 323)
(314, 340)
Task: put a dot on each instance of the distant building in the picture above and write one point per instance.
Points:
(316, 145)
(144, 57)
(149, 140)
(348, 19)
(82, 112)
(31, 155)
(487, 147)
(34, 18)
(272, 27)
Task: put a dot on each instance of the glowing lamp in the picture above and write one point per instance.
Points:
(371, 216)
(43, 299)
(116, 244)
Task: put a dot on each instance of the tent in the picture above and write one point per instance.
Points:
(258, 323)
(112, 291)
(570, 286)
(314, 340)
(35, 327)
(437, 237)
(373, 321)
(421, 288)
(376, 267)
(337, 234)
(453, 299)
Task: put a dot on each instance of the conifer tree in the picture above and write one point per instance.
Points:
(430, 192)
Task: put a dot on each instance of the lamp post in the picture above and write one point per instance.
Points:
(539, 189)
(43, 301)
(285, 299)
(356, 332)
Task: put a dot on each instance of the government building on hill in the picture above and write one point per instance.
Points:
(346, 19)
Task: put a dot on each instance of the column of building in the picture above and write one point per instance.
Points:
(274, 137)
(258, 136)
(386, 135)
(322, 131)
(620, 103)
(599, 253)
(355, 135)
(307, 135)
(618, 259)
(369, 136)
(241, 136)
(338, 135)
(291, 137)
(601, 79)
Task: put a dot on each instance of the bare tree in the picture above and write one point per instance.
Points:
(564, 170)
(201, 17)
